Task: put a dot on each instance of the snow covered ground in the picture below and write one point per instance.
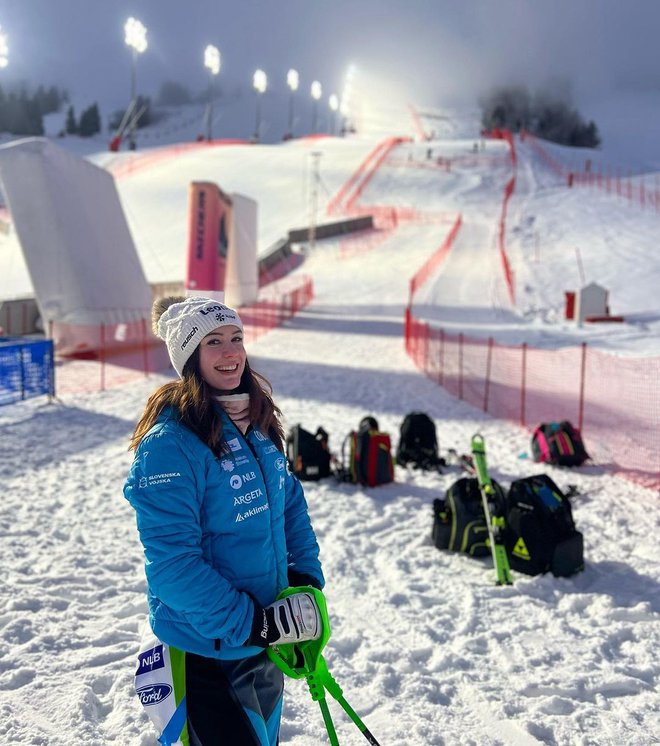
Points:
(426, 648)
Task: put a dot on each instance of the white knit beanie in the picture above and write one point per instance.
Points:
(183, 325)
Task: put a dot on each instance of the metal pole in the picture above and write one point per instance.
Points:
(131, 133)
(257, 126)
(209, 121)
(291, 114)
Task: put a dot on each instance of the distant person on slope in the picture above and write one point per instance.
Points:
(224, 526)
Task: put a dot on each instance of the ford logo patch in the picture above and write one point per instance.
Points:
(153, 694)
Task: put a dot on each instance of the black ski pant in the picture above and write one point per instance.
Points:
(233, 703)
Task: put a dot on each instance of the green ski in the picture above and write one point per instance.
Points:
(495, 523)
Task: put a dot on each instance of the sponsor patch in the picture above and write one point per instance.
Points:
(150, 660)
(249, 513)
(153, 694)
(248, 497)
(164, 478)
(235, 481)
(234, 445)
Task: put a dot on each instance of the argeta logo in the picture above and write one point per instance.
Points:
(236, 481)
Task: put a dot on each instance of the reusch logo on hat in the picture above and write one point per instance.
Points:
(191, 334)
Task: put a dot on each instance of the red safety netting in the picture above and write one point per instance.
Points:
(96, 358)
(642, 190)
(614, 400)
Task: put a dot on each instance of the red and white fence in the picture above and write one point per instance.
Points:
(614, 400)
(116, 354)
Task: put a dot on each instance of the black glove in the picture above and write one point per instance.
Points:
(295, 618)
(302, 578)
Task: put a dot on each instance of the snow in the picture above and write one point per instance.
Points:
(427, 649)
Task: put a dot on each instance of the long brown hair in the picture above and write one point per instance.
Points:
(190, 397)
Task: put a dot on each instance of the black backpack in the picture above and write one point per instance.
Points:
(558, 443)
(458, 520)
(308, 454)
(369, 458)
(540, 531)
(418, 442)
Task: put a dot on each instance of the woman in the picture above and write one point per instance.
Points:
(224, 526)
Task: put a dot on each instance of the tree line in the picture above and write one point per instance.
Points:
(22, 112)
(546, 114)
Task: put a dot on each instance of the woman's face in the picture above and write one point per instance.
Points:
(222, 358)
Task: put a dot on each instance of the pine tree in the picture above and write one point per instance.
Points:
(71, 124)
(90, 121)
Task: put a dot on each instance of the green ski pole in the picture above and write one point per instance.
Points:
(495, 523)
(304, 660)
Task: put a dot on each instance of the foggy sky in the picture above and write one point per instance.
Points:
(431, 48)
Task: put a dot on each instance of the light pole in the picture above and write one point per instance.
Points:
(292, 82)
(135, 36)
(345, 104)
(212, 62)
(259, 83)
(4, 49)
(316, 92)
(333, 103)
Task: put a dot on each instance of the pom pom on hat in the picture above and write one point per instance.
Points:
(183, 322)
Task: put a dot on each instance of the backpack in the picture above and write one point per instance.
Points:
(308, 454)
(459, 524)
(418, 442)
(369, 455)
(540, 531)
(558, 443)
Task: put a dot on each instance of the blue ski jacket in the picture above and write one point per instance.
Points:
(216, 532)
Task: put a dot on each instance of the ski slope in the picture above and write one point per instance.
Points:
(426, 648)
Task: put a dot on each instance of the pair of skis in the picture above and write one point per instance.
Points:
(304, 660)
(494, 521)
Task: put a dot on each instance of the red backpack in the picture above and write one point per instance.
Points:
(369, 456)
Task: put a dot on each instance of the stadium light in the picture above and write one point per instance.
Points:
(4, 49)
(260, 84)
(135, 36)
(316, 92)
(292, 81)
(212, 63)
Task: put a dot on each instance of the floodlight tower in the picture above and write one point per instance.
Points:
(212, 63)
(260, 84)
(316, 92)
(292, 81)
(135, 36)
